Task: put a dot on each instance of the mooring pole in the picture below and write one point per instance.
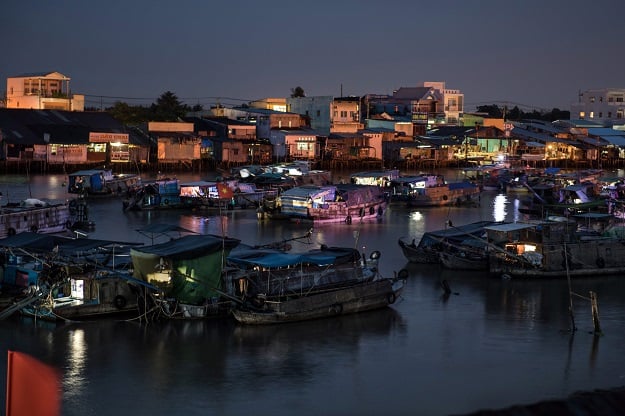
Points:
(595, 312)
(568, 278)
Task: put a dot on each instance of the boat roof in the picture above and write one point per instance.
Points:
(509, 227)
(89, 172)
(462, 230)
(160, 228)
(278, 258)
(190, 246)
(65, 245)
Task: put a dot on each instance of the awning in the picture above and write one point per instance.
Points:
(505, 228)
(614, 140)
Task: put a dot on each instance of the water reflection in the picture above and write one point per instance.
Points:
(499, 207)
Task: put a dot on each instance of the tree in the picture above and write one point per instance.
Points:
(297, 92)
(168, 108)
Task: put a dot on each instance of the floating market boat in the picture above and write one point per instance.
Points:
(277, 287)
(101, 182)
(345, 203)
(59, 278)
(40, 216)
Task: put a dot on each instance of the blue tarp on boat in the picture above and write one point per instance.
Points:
(277, 258)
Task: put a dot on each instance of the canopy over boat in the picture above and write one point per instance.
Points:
(277, 258)
(63, 245)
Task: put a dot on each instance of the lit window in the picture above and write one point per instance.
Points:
(592, 114)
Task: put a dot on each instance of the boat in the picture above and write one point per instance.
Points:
(162, 193)
(226, 194)
(382, 178)
(101, 182)
(433, 190)
(338, 203)
(59, 278)
(188, 271)
(554, 249)
(432, 243)
(278, 287)
(469, 254)
(38, 216)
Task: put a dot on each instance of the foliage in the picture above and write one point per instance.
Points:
(167, 108)
(297, 92)
(516, 114)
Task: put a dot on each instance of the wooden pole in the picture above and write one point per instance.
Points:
(568, 278)
(595, 312)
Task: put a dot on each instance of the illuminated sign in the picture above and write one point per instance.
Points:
(108, 137)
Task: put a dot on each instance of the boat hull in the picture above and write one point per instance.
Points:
(346, 300)
(458, 262)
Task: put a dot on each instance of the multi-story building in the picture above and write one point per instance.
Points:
(428, 104)
(42, 91)
(316, 110)
(345, 115)
(605, 106)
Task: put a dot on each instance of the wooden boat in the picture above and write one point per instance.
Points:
(163, 193)
(36, 215)
(350, 299)
(432, 243)
(464, 260)
(101, 182)
(275, 287)
(381, 178)
(60, 278)
(211, 194)
(433, 190)
(188, 271)
(345, 203)
(553, 249)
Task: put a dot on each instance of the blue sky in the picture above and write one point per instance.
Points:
(532, 53)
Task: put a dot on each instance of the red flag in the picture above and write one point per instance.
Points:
(224, 191)
(33, 388)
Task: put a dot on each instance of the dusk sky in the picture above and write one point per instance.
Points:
(537, 54)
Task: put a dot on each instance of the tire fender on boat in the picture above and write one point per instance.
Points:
(402, 274)
(348, 219)
(68, 224)
(119, 301)
(371, 210)
(336, 309)
(11, 231)
(390, 298)
(33, 229)
(600, 262)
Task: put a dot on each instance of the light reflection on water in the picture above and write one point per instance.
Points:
(466, 345)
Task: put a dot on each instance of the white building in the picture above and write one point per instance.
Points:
(606, 106)
(42, 91)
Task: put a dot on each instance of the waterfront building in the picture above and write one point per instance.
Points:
(42, 91)
(605, 106)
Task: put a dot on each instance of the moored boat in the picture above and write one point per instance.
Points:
(101, 182)
(345, 203)
(36, 215)
(277, 287)
(432, 243)
(433, 190)
(59, 278)
(554, 249)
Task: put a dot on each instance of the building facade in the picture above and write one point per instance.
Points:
(42, 91)
(605, 106)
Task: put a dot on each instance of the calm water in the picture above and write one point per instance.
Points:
(493, 343)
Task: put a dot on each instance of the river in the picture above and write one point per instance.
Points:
(492, 343)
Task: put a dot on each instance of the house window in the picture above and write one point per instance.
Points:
(609, 114)
(592, 99)
(318, 113)
(582, 114)
(600, 114)
(619, 99)
(592, 114)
